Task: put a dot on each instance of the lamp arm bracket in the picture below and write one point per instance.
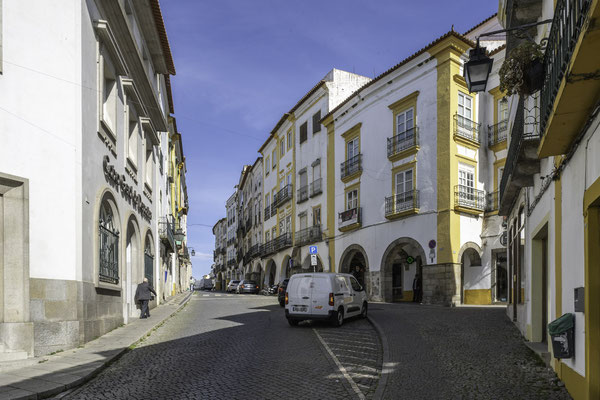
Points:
(516, 28)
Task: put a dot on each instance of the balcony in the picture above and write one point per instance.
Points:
(350, 219)
(249, 223)
(351, 168)
(308, 235)
(468, 199)
(571, 85)
(166, 231)
(497, 133)
(302, 194)
(282, 197)
(281, 242)
(231, 262)
(315, 187)
(402, 204)
(402, 145)
(492, 202)
(466, 130)
(267, 212)
(254, 251)
(521, 161)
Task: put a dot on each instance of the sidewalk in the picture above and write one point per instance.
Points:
(56, 373)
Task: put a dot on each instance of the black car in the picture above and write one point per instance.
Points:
(281, 292)
(247, 287)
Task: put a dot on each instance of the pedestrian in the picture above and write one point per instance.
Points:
(417, 288)
(142, 294)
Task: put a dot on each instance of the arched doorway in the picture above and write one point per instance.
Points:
(270, 270)
(286, 267)
(133, 267)
(401, 264)
(354, 261)
(470, 272)
(255, 273)
(306, 267)
(149, 260)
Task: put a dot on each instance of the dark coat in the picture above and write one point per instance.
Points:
(143, 291)
(417, 283)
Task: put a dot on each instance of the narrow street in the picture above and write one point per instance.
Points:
(227, 346)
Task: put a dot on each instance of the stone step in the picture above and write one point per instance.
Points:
(13, 355)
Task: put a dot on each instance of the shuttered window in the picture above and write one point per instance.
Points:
(316, 122)
(303, 132)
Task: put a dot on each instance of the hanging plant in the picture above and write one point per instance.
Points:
(522, 72)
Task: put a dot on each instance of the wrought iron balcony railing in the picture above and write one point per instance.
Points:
(254, 251)
(568, 21)
(497, 133)
(403, 141)
(231, 262)
(315, 187)
(280, 242)
(282, 196)
(267, 212)
(401, 202)
(466, 128)
(492, 201)
(351, 166)
(349, 217)
(166, 230)
(468, 197)
(309, 235)
(302, 194)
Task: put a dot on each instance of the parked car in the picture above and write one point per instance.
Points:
(232, 286)
(324, 296)
(247, 286)
(281, 292)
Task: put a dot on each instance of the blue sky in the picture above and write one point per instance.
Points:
(241, 64)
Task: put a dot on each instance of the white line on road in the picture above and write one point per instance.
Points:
(341, 367)
(217, 295)
(205, 295)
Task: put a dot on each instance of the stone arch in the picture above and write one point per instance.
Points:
(270, 272)
(306, 267)
(468, 256)
(108, 241)
(286, 270)
(355, 255)
(257, 274)
(397, 273)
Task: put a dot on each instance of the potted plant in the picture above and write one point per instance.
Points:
(522, 72)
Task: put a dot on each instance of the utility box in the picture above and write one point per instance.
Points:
(562, 332)
(579, 299)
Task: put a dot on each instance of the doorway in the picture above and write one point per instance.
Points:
(397, 294)
(500, 277)
(539, 285)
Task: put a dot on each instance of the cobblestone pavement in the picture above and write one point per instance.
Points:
(226, 347)
(459, 353)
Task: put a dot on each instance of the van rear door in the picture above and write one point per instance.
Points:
(299, 294)
(321, 287)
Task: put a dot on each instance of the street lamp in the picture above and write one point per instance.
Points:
(477, 70)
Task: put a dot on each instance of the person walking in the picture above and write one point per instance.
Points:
(417, 288)
(142, 294)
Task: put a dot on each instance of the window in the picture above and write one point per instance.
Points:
(502, 110)
(352, 146)
(109, 246)
(282, 148)
(352, 199)
(290, 141)
(282, 227)
(132, 137)
(109, 95)
(303, 132)
(405, 123)
(267, 165)
(288, 223)
(500, 172)
(316, 171)
(465, 106)
(274, 232)
(316, 216)
(274, 158)
(303, 221)
(303, 178)
(267, 236)
(355, 285)
(267, 200)
(149, 164)
(149, 261)
(466, 176)
(316, 122)
(289, 179)
(404, 183)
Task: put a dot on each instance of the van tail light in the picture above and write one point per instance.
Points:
(331, 299)
(286, 298)
(280, 289)
(257, 287)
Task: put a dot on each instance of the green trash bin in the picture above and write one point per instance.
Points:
(562, 332)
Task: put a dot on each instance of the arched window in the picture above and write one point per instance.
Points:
(149, 261)
(109, 246)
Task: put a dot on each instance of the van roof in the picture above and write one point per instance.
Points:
(320, 274)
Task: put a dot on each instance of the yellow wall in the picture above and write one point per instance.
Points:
(478, 296)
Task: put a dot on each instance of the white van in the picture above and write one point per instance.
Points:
(324, 296)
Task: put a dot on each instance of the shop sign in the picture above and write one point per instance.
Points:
(128, 192)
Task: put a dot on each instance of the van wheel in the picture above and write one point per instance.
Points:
(365, 308)
(293, 322)
(338, 318)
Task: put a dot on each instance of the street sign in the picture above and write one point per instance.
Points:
(313, 260)
(432, 244)
(312, 250)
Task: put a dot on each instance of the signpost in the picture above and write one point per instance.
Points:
(312, 249)
(313, 261)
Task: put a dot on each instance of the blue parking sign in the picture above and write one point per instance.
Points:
(312, 249)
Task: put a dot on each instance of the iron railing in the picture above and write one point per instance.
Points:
(351, 166)
(401, 202)
(109, 256)
(492, 201)
(403, 141)
(466, 196)
(466, 128)
(280, 242)
(349, 217)
(282, 196)
(568, 21)
(165, 230)
(231, 262)
(315, 187)
(497, 133)
(302, 194)
(254, 251)
(267, 212)
(308, 235)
